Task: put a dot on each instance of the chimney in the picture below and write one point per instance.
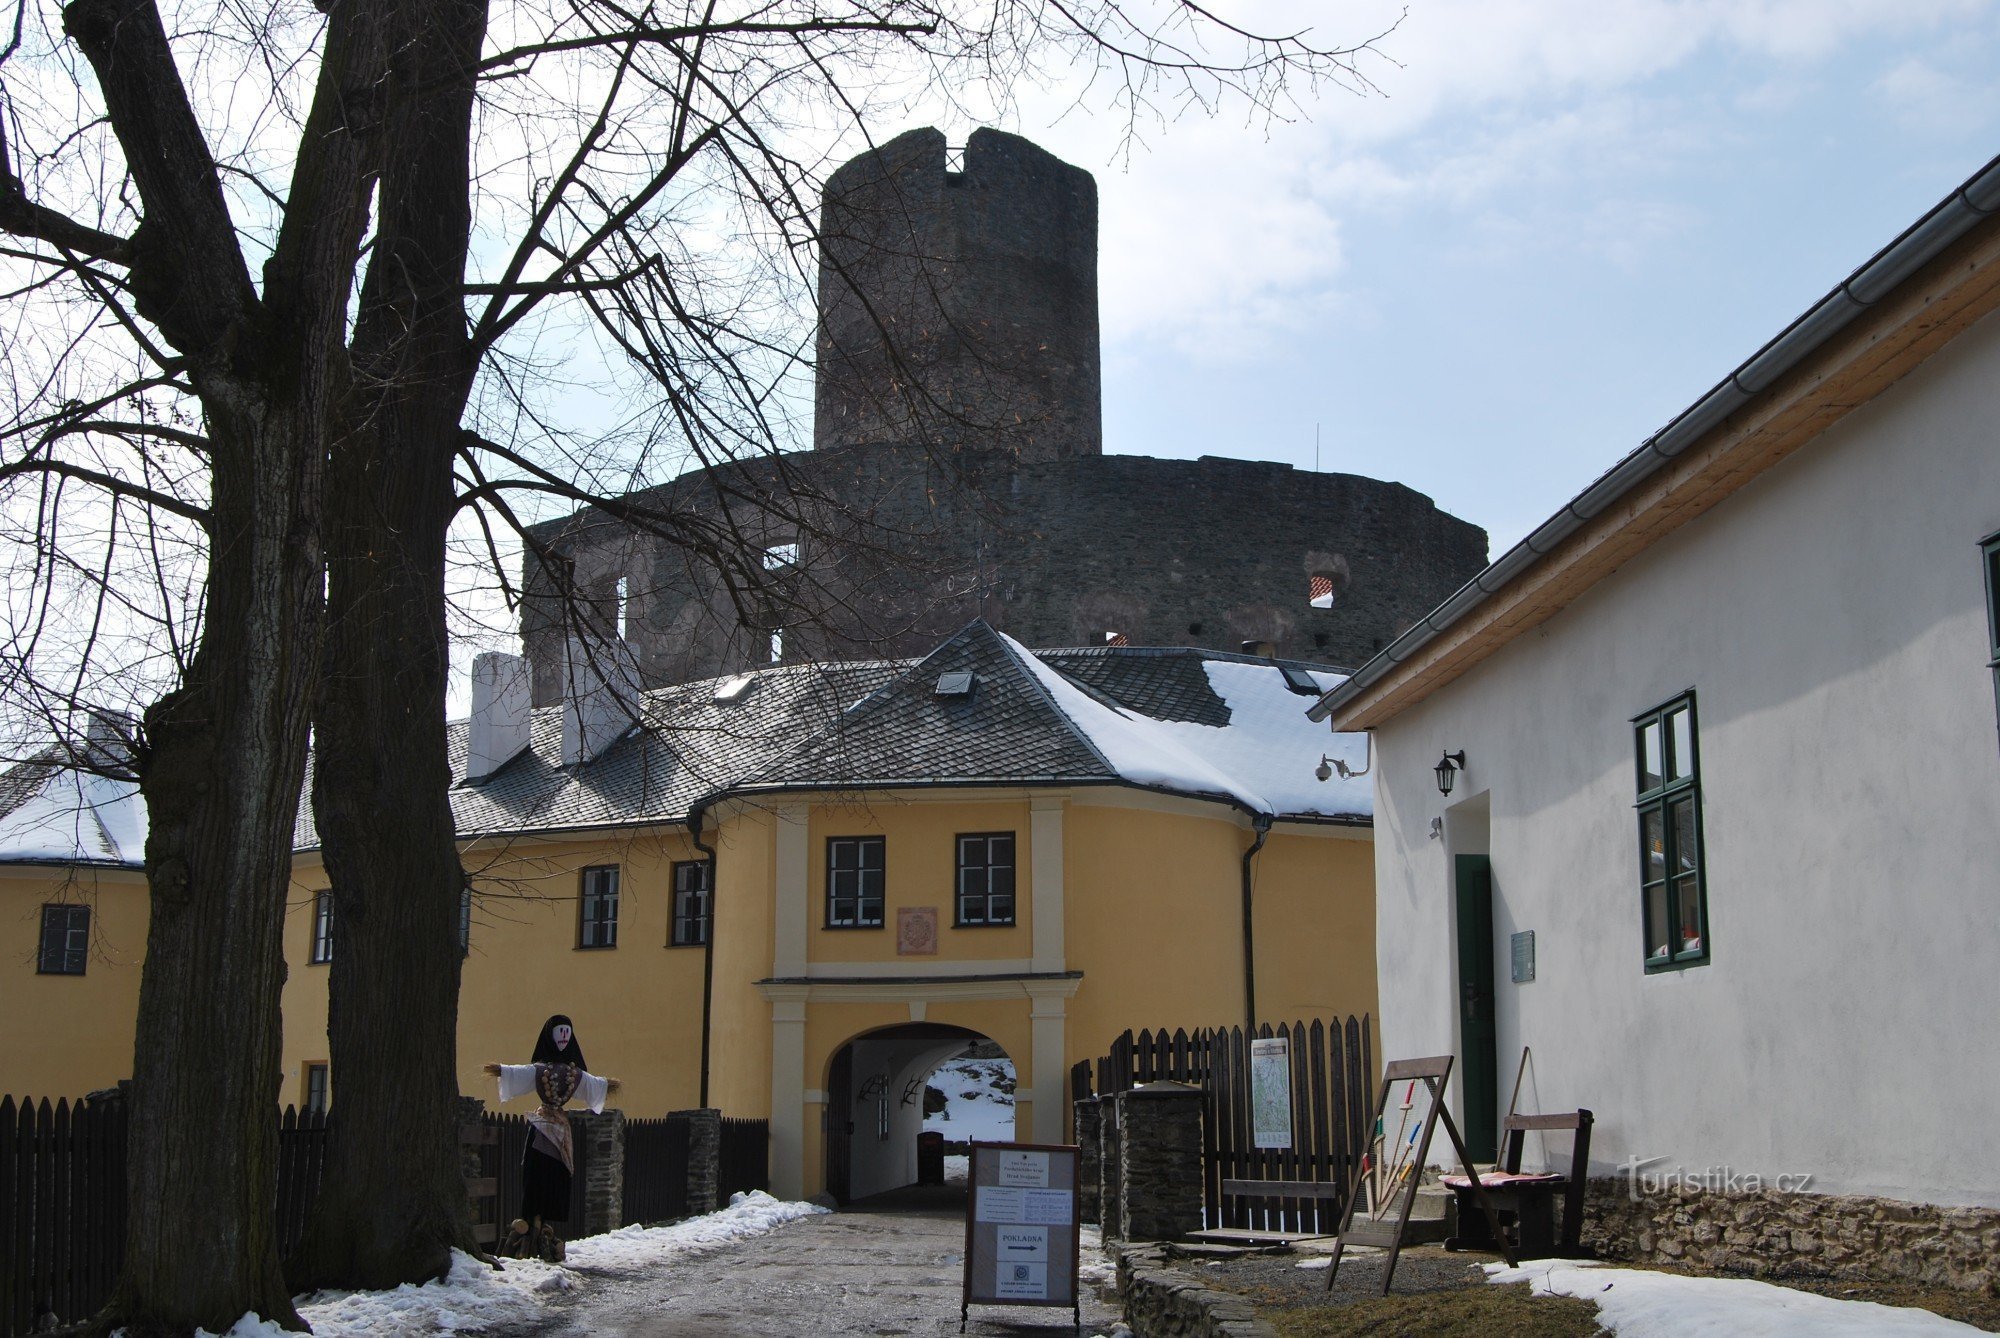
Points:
(500, 706)
(600, 696)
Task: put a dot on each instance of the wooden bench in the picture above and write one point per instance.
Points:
(1526, 1203)
(1315, 1190)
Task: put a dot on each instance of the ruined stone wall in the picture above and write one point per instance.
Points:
(959, 307)
(899, 547)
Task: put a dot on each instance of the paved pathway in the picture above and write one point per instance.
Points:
(888, 1266)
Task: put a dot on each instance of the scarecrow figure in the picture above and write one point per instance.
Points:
(556, 1074)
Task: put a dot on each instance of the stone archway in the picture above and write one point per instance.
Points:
(875, 1102)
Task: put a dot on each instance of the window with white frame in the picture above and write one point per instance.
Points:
(597, 908)
(691, 903)
(65, 945)
(322, 940)
(854, 881)
(986, 878)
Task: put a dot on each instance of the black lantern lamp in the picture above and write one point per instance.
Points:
(1448, 768)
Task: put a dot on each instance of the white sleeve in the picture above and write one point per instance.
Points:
(516, 1080)
(593, 1090)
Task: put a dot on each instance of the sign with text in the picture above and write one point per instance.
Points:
(1020, 1226)
(1271, 1092)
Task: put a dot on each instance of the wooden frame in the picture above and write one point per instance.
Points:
(1533, 1201)
(1066, 1155)
(1434, 1073)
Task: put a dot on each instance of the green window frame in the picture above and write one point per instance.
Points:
(1673, 887)
(597, 908)
(1989, 561)
(855, 881)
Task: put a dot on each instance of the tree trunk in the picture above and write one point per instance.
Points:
(392, 1203)
(221, 780)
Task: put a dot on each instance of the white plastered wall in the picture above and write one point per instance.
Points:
(1830, 619)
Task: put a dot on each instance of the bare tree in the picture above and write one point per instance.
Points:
(258, 385)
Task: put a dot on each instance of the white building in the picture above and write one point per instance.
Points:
(1728, 725)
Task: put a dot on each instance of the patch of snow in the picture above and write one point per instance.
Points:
(957, 1170)
(1323, 1262)
(1265, 758)
(978, 1101)
(473, 1297)
(77, 818)
(1637, 1303)
(749, 1214)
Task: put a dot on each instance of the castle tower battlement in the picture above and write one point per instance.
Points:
(959, 307)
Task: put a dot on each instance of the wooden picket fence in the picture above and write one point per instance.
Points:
(745, 1156)
(1332, 1090)
(656, 1170)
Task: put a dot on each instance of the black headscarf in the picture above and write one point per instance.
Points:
(545, 1046)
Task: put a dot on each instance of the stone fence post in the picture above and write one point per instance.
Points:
(601, 1140)
(1110, 1219)
(1089, 1115)
(1159, 1162)
(704, 1170)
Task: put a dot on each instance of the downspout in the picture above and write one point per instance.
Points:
(1261, 824)
(707, 945)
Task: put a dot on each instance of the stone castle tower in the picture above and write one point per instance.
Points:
(959, 307)
(958, 472)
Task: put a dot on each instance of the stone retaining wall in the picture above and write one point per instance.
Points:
(1160, 1302)
(1765, 1231)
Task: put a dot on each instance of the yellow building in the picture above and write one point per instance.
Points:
(793, 893)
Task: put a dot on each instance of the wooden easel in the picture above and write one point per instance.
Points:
(1433, 1073)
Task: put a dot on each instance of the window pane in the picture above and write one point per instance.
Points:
(1657, 949)
(1651, 767)
(1687, 854)
(871, 853)
(1652, 848)
(1003, 908)
(1688, 902)
(1683, 748)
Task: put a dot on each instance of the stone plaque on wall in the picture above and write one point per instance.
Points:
(916, 931)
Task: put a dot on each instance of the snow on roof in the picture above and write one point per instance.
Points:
(76, 818)
(1263, 759)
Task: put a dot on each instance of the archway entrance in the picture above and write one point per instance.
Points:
(875, 1102)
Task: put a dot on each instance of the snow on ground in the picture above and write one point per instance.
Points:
(1636, 1303)
(473, 1297)
(978, 1100)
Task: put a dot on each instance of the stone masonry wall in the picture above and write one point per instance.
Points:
(601, 1140)
(1769, 1232)
(1161, 1302)
(899, 549)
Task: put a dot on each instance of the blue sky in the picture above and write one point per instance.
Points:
(1556, 225)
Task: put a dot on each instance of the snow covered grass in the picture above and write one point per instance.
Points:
(1636, 1303)
(473, 1297)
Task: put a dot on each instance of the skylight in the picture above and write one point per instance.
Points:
(729, 689)
(957, 683)
(1299, 681)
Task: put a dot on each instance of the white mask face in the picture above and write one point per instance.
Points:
(561, 1034)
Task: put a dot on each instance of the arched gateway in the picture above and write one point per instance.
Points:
(875, 1102)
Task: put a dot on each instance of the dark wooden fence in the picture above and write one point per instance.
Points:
(1333, 1100)
(656, 1170)
(746, 1157)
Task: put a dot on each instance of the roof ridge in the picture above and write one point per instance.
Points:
(1015, 650)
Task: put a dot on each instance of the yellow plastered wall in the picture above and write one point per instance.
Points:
(740, 1042)
(636, 1006)
(1154, 920)
(69, 1035)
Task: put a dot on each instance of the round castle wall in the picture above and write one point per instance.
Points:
(1208, 552)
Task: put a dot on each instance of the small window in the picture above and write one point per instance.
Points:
(1989, 552)
(465, 920)
(624, 597)
(1319, 591)
(597, 911)
(1116, 639)
(691, 902)
(986, 878)
(779, 557)
(316, 1089)
(65, 940)
(322, 944)
(777, 645)
(854, 880)
(1673, 890)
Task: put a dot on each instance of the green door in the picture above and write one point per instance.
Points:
(1478, 1034)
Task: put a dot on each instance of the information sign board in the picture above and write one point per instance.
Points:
(1021, 1227)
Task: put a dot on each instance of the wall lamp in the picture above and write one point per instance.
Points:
(1447, 772)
